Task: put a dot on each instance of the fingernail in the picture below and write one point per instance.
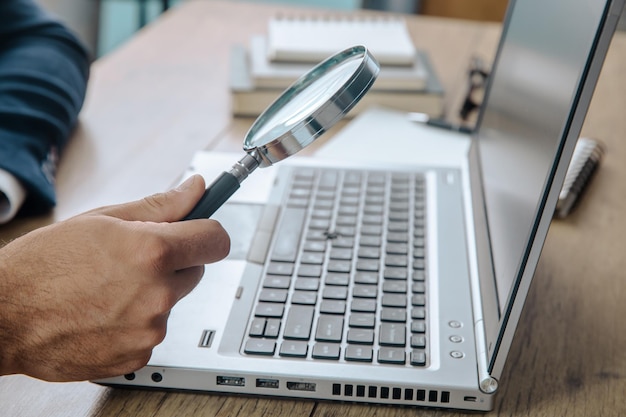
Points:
(186, 184)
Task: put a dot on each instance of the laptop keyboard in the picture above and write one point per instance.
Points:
(345, 279)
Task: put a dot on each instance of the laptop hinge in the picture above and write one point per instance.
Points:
(487, 383)
(478, 248)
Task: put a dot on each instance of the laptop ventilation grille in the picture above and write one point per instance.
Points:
(393, 393)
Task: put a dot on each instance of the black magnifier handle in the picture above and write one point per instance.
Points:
(222, 188)
(214, 196)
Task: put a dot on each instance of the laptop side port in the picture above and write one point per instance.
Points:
(233, 381)
(266, 383)
(470, 398)
(301, 386)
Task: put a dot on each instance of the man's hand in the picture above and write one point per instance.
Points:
(89, 297)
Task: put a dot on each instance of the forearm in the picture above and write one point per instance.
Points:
(43, 76)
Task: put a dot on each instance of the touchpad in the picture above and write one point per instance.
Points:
(241, 222)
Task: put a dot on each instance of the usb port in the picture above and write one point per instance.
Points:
(266, 383)
(470, 398)
(233, 381)
(301, 386)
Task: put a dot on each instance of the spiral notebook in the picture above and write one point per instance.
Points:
(313, 39)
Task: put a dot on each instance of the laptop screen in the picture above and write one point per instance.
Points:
(533, 90)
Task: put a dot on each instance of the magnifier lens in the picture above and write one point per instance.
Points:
(302, 100)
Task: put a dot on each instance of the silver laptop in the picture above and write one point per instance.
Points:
(397, 283)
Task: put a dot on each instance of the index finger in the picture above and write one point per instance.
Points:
(193, 243)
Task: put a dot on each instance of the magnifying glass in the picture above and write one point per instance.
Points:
(301, 114)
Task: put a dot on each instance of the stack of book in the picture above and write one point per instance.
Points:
(262, 70)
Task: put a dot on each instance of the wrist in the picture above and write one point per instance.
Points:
(8, 333)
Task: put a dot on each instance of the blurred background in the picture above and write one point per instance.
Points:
(105, 24)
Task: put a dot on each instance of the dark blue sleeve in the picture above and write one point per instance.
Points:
(43, 76)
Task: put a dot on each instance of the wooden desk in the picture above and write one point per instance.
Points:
(155, 101)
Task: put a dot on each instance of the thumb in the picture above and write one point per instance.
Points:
(169, 206)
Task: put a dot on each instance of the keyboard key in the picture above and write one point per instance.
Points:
(373, 208)
(418, 358)
(359, 353)
(299, 322)
(280, 268)
(396, 261)
(397, 237)
(336, 278)
(313, 258)
(343, 242)
(272, 327)
(392, 356)
(326, 351)
(341, 254)
(394, 300)
(321, 214)
(370, 229)
(395, 273)
(375, 241)
(398, 226)
(307, 284)
(363, 305)
(288, 235)
(273, 295)
(364, 277)
(362, 320)
(367, 265)
(418, 313)
(269, 310)
(361, 336)
(338, 266)
(418, 341)
(326, 195)
(346, 230)
(418, 326)
(257, 328)
(293, 349)
(333, 307)
(419, 264)
(329, 179)
(365, 291)
(418, 288)
(397, 249)
(395, 286)
(346, 220)
(314, 246)
(304, 297)
(398, 216)
(335, 293)
(260, 347)
(375, 219)
(393, 315)
(369, 252)
(348, 209)
(392, 334)
(418, 300)
(314, 271)
(319, 224)
(329, 328)
(275, 281)
(399, 206)
(419, 275)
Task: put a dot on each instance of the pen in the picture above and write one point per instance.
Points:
(441, 123)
